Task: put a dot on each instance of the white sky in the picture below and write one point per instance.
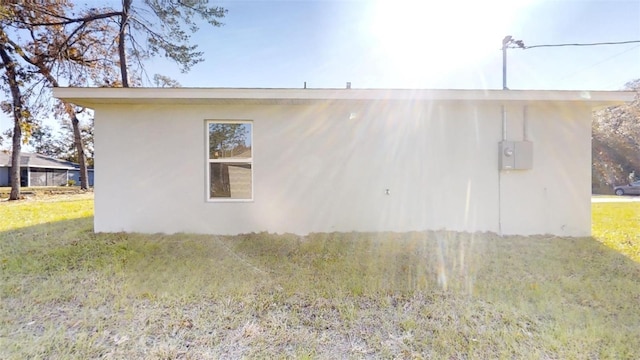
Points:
(413, 44)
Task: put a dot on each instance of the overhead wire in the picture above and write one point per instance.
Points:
(581, 44)
(599, 62)
(515, 44)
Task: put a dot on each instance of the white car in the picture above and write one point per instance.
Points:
(631, 189)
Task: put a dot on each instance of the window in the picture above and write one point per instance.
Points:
(230, 160)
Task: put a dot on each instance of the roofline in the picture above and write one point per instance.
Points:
(96, 96)
(45, 167)
(61, 164)
(41, 167)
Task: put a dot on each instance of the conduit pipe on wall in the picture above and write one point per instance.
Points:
(504, 123)
(504, 138)
(525, 123)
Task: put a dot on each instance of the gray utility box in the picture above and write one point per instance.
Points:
(515, 155)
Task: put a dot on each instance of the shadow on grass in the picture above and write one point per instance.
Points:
(337, 264)
(442, 294)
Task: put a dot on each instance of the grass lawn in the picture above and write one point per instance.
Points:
(68, 293)
(46, 209)
(617, 225)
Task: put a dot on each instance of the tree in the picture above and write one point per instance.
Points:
(156, 28)
(67, 50)
(67, 135)
(43, 141)
(164, 81)
(616, 142)
(13, 76)
(163, 31)
(63, 46)
(41, 51)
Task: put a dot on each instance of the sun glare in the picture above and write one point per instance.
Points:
(429, 39)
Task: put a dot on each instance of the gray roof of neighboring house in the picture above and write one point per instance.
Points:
(36, 160)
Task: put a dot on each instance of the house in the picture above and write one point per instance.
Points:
(41, 170)
(229, 161)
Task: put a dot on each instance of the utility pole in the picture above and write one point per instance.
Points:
(508, 40)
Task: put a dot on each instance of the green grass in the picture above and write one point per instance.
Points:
(19, 214)
(66, 292)
(617, 225)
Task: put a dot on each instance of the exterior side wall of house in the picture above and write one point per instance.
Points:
(4, 176)
(43, 177)
(327, 166)
(75, 176)
(554, 197)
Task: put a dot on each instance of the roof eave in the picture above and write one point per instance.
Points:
(97, 96)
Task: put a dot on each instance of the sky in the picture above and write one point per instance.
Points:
(417, 44)
(439, 44)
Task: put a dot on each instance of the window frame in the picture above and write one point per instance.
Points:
(209, 161)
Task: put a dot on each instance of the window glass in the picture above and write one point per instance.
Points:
(230, 180)
(229, 140)
(230, 160)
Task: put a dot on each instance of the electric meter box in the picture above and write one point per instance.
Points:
(515, 155)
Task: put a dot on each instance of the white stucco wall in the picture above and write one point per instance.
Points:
(553, 197)
(325, 167)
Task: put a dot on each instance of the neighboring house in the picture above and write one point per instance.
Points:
(229, 161)
(41, 170)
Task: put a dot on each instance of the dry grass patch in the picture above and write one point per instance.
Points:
(68, 293)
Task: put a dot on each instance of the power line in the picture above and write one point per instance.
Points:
(510, 43)
(576, 44)
(599, 62)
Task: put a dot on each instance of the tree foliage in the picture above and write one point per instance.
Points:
(43, 141)
(60, 144)
(153, 28)
(38, 43)
(53, 43)
(616, 142)
(163, 27)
